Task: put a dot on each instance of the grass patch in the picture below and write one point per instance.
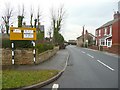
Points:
(17, 78)
(0, 78)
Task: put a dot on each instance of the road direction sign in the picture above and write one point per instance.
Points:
(22, 33)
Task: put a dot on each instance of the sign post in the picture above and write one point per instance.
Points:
(13, 53)
(22, 34)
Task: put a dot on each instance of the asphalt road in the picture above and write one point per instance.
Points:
(89, 69)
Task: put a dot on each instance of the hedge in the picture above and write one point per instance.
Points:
(6, 43)
(44, 47)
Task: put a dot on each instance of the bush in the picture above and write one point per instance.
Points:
(23, 44)
(44, 47)
(6, 43)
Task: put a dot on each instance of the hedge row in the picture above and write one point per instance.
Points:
(27, 44)
(44, 47)
(18, 44)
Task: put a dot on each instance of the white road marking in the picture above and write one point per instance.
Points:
(105, 65)
(90, 55)
(82, 51)
(55, 86)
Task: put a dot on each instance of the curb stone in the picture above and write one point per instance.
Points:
(39, 85)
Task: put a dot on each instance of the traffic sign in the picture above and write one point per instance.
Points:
(22, 33)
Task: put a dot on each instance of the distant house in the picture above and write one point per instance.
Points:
(41, 28)
(79, 41)
(73, 42)
(87, 38)
(108, 34)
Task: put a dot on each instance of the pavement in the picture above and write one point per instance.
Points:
(57, 62)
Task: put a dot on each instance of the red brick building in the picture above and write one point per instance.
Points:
(108, 35)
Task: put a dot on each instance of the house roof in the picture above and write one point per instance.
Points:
(109, 23)
(79, 37)
(91, 35)
(41, 27)
(88, 34)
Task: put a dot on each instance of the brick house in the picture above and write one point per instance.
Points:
(88, 39)
(108, 35)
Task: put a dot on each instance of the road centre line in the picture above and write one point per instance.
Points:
(105, 65)
(90, 55)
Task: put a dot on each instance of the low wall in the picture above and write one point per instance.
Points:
(25, 56)
(45, 55)
(115, 49)
(94, 47)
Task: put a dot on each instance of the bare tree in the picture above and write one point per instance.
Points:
(21, 16)
(50, 33)
(60, 17)
(7, 16)
(31, 17)
(37, 20)
(2, 28)
(53, 18)
(57, 19)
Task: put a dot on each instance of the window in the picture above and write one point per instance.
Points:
(105, 31)
(99, 32)
(109, 43)
(102, 42)
(110, 30)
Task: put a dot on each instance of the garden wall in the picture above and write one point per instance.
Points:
(25, 56)
(115, 49)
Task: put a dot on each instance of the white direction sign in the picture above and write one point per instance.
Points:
(28, 35)
(28, 31)
(16, 31)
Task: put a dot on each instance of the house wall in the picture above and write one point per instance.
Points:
(102, 32)
(80, 41)
(100, 35)
(116, 33)
(115, 37)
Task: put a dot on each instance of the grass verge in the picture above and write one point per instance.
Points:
(17, 78)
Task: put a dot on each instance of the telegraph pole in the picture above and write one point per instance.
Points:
(83, 37)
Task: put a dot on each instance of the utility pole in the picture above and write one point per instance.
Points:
(83, 37)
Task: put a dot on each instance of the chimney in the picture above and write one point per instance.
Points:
(86, 32)
(116, 15)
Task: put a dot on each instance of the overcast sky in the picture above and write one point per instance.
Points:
(91, 13)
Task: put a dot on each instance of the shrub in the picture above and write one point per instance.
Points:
(44, 47)
(6, 43)
(23, 44)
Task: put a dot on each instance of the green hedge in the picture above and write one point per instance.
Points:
(44, 47)
(6, 43)
(27, 44)
(18, 44)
